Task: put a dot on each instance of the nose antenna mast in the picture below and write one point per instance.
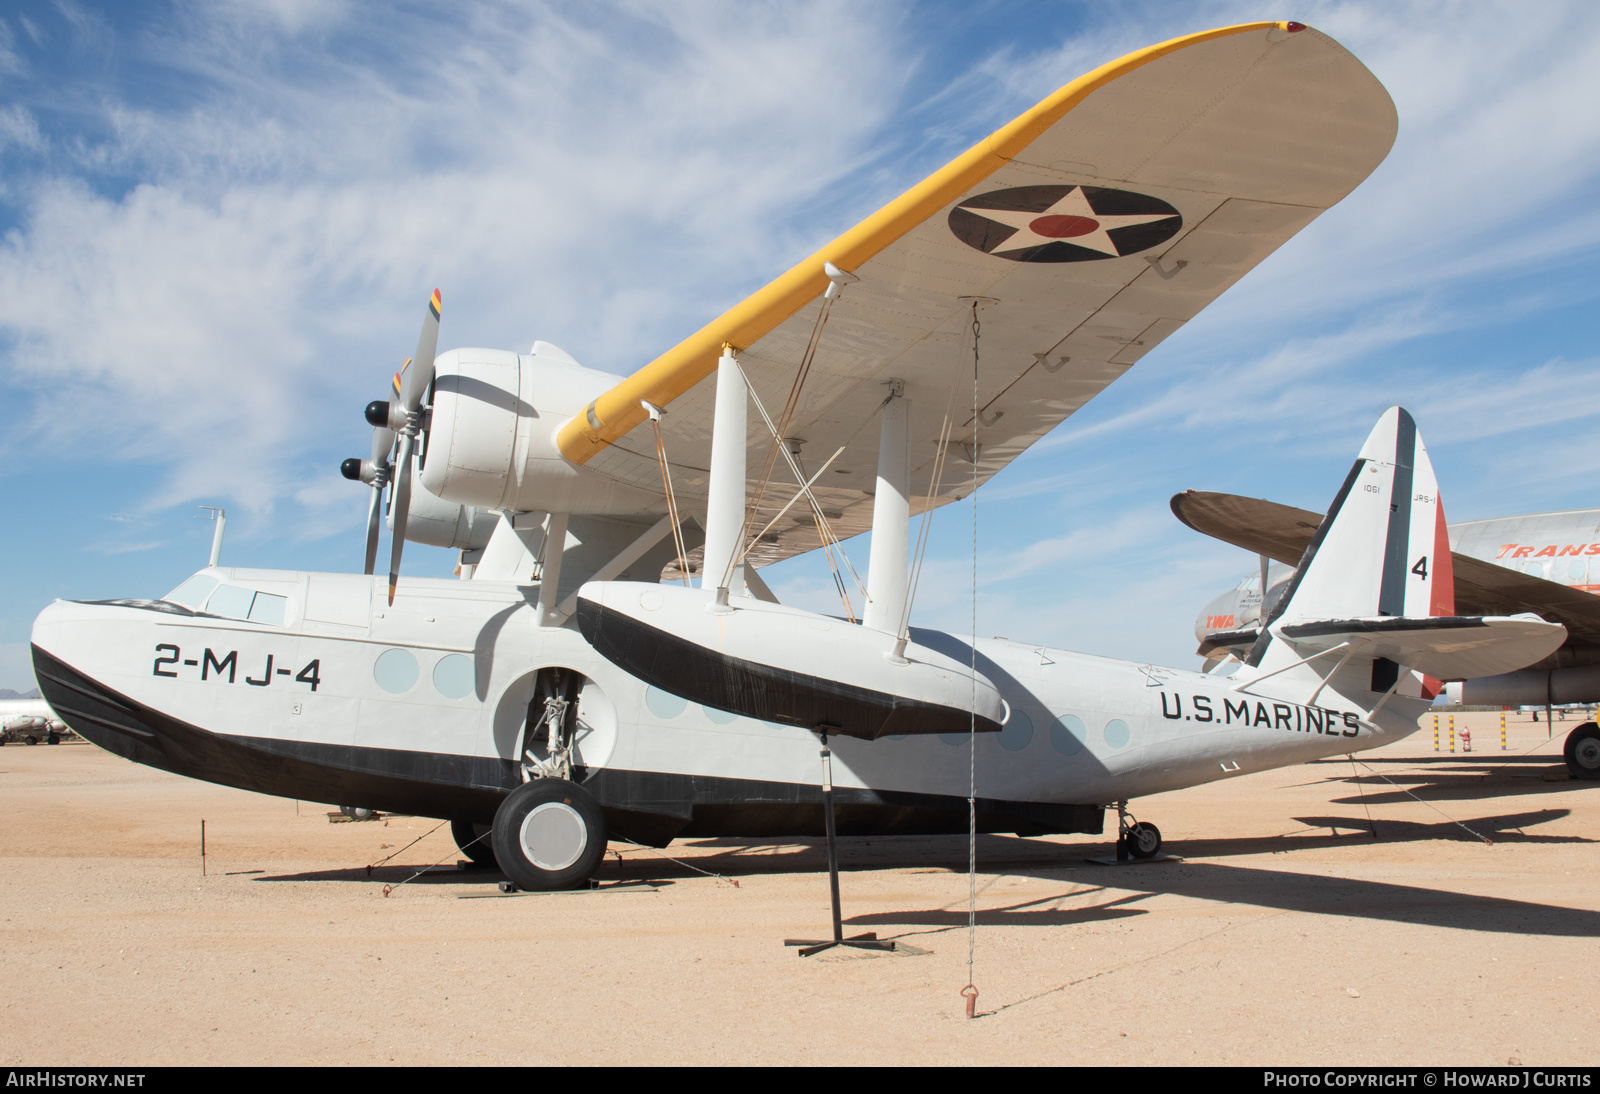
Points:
(221, 518)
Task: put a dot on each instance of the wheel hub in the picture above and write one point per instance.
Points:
(554, 836)
(1588, 753)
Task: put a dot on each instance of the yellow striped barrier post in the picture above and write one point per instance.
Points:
(1452, 733)
(1436, 733)
(1502, 731)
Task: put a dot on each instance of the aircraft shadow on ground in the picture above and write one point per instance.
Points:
(1044, 912)
(1506, 828)
(1220, 882)
(394, 874)
(1290, 892)
(1452, 787)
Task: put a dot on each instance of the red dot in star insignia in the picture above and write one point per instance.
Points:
(1064, 227)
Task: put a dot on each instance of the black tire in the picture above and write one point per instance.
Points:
(475, 841)
(1144, 840)
(53, 739)
(1583, 752)
(549, 834)
(358, 812)
(31, 739)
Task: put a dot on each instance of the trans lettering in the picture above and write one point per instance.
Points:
(170, 662)
(1247, 712)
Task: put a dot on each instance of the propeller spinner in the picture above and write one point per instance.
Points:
(376, 472)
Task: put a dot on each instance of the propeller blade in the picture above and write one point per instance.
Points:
(402, 509)
(382, 443)
(374, 519)
(419, 376)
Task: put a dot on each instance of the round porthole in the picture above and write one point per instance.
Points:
(455, 676)
(1117, 733)
(956, 740)
(1017, 733)
(1068, 735)
(396, 671)
(664, 704)
(719, 717)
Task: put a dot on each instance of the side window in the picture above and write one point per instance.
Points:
(269, 608)
(236, 603)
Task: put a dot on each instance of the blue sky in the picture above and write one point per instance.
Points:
(220, 223)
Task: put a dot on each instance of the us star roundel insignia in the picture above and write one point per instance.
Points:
(1063, 223)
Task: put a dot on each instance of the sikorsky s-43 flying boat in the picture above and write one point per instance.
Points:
(566, 693)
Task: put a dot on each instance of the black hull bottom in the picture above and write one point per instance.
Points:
(645, 806)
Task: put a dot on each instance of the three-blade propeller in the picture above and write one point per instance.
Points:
(402, 419)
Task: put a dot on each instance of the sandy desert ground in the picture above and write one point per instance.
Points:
(1287, 934)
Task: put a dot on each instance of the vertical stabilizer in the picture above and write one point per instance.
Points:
(1382, 550)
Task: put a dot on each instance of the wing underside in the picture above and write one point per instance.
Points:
(1091, 229)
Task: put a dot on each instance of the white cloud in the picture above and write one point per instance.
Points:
(224, 317)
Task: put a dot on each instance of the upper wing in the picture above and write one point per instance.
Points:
(1282, 532)
(1098, 223)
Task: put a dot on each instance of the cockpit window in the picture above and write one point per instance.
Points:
(231, 601)
(207, 594)
(192, 593)
(268, 608)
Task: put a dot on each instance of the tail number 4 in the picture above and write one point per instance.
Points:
(1421, 568)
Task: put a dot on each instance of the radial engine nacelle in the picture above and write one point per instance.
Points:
(440, 523)
(492, 437)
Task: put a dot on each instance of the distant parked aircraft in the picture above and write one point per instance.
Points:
(1546, 563)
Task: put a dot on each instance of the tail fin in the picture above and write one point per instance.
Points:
(1382, 550)
(1377, 581)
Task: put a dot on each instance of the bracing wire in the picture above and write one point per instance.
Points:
(832, 547)
(672, 501)
(786, 417)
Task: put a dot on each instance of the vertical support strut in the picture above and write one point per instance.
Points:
(725, 505)
(887, 573)
(868, 941)
(555, 545)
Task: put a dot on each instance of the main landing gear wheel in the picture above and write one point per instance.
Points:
(1583, 752)
(358, 812)
(549, 834)
(53, 739)
(1144, 840)
(475, 841)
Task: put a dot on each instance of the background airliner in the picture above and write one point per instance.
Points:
(1547, 563)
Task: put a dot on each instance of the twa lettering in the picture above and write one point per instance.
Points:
(1519, 550)
(1246, 712)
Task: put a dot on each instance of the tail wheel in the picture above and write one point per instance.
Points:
(475, 841)
(1144, 840)
(1583, 752)
(549, 834)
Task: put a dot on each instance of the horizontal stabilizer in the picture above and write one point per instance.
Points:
(1219, 643)
(1452, 647)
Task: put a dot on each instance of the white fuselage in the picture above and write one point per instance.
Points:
(435, 689)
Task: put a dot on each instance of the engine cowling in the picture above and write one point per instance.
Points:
(440, 523)
(491, 440)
